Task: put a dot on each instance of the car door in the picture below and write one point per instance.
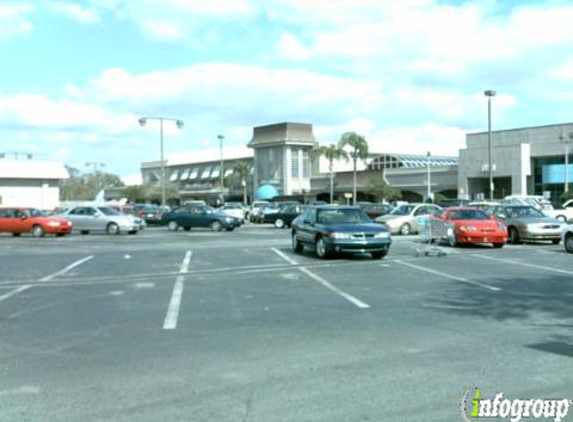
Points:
(22, 221)
(307, 229)
(200, 217)
(8, 221)
(76, 216)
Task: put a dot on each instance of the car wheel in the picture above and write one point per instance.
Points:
(112, 228)
(569, 242)
(321, 249)
(38, 231)
(216, 226)
(498, 245)
(514, 236)
(85, 232)
(16, 234)
(279, 223)
(187, 228)
(561, 218)
(556, 241)
(405, 229)
(379, 254)
(172, 226)
(296, 245)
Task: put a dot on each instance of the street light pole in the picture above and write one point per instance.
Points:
(489, 93)
(429, 192)
(221, 173)
(179, 123)
(566, 140)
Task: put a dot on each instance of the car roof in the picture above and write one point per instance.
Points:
(461, 208)
(335, 207)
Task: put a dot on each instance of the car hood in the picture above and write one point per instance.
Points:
(482, 224)
(354, 227)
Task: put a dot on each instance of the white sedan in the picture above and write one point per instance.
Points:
(233, 210)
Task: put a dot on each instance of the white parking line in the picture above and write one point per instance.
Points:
(25, 287)
(172, 316)
(452, 277)
(322, 281)
(525, 264)
(14, 292)
(65, 270)
(285, 257)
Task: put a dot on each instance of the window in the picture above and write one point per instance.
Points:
(305, 164)
(206, 172)
(174, 175)
(216, 171)
(194, 173)
(295, 163)
(77, 211)
(185, 174)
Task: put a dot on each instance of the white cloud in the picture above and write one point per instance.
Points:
(14, 20)
(89, 15)
(162, 30)
(291, 48)
(565, 71)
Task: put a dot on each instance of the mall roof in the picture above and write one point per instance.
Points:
(412, 161)
(31, 169)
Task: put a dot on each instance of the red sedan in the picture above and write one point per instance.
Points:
(19, 220)
(462, 225)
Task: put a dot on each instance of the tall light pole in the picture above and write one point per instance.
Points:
(97, 168)
(429, 192)
(489, 93)
(221, 173)
(566, 140)
(179, 123)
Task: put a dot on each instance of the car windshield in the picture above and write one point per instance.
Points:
(231, 207)
(209, 210)
(403, 210)
(467, 215)
(108, 211)
(517, 212)
(341, 216)
(33, 212)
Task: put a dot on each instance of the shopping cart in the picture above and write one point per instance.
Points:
(429, 239)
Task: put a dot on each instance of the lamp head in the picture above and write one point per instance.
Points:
(489, 93)
(142, 121)
(179, 123)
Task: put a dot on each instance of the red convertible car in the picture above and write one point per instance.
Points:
(463, 225)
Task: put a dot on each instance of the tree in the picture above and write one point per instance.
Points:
(153, 192)
(241, 172)
(358, 149)
(134, 194)
(330, 152)
(382, 190)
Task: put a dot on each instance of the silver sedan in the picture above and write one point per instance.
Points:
(92, 218)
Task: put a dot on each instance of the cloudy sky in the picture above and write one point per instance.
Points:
(409, 75)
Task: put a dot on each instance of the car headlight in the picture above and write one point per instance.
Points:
(469, 228)
(54, 223)
(382, 235)
(340, 236)
(501, 227)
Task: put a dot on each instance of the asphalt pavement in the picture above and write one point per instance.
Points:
(234, 326)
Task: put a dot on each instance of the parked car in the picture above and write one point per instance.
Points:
(536, 201)
(464, 225)
(256, 209)
(376, 210)
(330, 229)
(18, 220)
(450, 203)
(148, 212)
(404, 219)
(234, 210)
(263, 211)
(483, 205)
(525, 222)
(90, 218)
(567, 238)
(285, 215)
(189, 216)
(559, 212)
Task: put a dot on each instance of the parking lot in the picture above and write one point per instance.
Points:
(205, 326)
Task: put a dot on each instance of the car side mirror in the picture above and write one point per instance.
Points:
(502, 216)
(23, 217)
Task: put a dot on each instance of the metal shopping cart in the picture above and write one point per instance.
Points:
(429, 239)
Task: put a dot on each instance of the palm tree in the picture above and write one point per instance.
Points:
(330, 152)
(359, 149)
(241, 171)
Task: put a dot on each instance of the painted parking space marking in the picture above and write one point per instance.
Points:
(63, 271)
(172, 316)
(355, 301)
(525, 264)
(450, 276)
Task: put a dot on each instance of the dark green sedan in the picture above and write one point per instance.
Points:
(332, 229)
(189, 216)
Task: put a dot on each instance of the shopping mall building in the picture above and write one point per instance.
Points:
(525, 161)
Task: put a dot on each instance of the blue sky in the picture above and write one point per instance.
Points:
(408, 75)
